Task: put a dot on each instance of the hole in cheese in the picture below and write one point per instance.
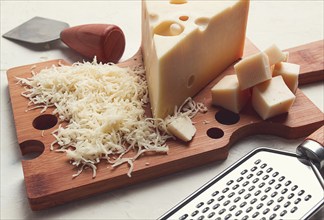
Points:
(178, 1)
(202, 23)
(168, 28)
(183, 18)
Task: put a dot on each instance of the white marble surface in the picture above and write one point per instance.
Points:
(286, 23)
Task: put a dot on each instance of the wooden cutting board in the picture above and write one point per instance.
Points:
(48, 178)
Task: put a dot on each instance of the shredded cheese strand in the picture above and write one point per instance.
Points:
(103, 105)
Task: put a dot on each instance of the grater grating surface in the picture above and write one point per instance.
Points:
(265, 184)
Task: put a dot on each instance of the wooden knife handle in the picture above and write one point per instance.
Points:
(317, 136)
(310, 57)
(105, 41)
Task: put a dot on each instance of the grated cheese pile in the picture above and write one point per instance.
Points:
(103, 106)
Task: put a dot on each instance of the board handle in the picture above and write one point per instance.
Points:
(310, 58)
(312, 149)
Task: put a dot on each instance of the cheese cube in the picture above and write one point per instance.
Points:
(274, 54)
(289, 73)
(253, 70)
(272, 98)
(182, 128)
(227, 94)
(186, 44)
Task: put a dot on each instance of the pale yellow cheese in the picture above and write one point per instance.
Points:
(286, 59)
(272, 98)
(182, 128)
(227, 94)
(274, 54)
(186, 44)
(289, 73)
(253, 70)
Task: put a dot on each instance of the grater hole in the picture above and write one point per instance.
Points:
(269, 170)
(249, 209)
(210, 215)
(294, 209)
(308, 197)
(293, 188)
(283, 213)
(284, 191)
(301, 192)
(266, 211)
(221, 211)
(194, 213)
(239, 212)
(200, 204)
(288, 183)
(216, 206)
(228, 216)
(260, 206)
(263, 165)
(287, 204)
(273, 216)
(244, 172)
(264, 197)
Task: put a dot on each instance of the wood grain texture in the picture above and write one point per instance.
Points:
(310, 57)
(48, 178)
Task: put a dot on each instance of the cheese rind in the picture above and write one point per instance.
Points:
(253, 70)
(272, 98)
(227, 94)
(289, 73)
(187, 45)
(182, 128)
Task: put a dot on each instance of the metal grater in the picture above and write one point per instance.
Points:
(265, 184)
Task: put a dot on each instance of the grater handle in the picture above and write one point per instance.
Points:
(317, 136)
(312, 149)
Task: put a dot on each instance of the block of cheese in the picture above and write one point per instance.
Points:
(253, 70)
(182, 128)
(227, 94)
(289, 73)
(272, 98)
(275, 55)
(186, 44)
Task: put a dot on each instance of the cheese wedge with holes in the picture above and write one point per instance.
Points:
(186, 44)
